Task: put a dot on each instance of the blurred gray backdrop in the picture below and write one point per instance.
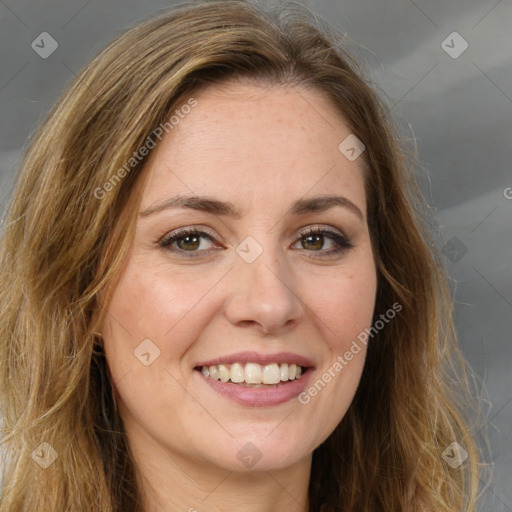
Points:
(445, 68)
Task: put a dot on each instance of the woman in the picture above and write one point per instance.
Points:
(217, 290)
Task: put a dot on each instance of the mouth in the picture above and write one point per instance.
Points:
(257, 380)
(254, 375)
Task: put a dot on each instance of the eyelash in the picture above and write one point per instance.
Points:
(343, 243)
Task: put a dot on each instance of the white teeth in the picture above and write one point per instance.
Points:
(214, 372)
(224, 373)
(253, 373)
(271, 374)
(284, 371)
(237, 373)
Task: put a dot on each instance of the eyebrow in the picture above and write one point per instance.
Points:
(207, 204)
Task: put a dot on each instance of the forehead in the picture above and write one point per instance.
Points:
(247, 142)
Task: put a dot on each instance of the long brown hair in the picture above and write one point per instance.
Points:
(67, 234)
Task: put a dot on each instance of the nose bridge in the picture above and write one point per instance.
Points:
(262, 290)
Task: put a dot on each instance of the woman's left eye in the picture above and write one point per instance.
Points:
(190, 242)
(315, 238)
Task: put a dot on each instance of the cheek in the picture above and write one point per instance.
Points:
(149, 310)
(342, 309)
(169, 310)
(344, 306)
(153, 303)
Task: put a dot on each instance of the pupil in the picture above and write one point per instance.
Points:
(318, 244)
(189, 238)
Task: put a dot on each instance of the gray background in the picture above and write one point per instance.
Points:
(458, 112)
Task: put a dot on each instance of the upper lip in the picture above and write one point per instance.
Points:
(257, 357)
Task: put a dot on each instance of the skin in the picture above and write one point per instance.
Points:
(260, 148)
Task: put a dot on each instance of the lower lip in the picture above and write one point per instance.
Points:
(260, 397)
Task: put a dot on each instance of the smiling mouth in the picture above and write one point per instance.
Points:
(254, 375)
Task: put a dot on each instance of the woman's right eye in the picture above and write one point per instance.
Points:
(189, 242)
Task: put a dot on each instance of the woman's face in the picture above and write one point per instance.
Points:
(248, 286)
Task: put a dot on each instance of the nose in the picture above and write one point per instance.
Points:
(263, 295)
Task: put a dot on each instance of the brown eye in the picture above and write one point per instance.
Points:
(187, 240)
(188, 243)
(313, 242)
